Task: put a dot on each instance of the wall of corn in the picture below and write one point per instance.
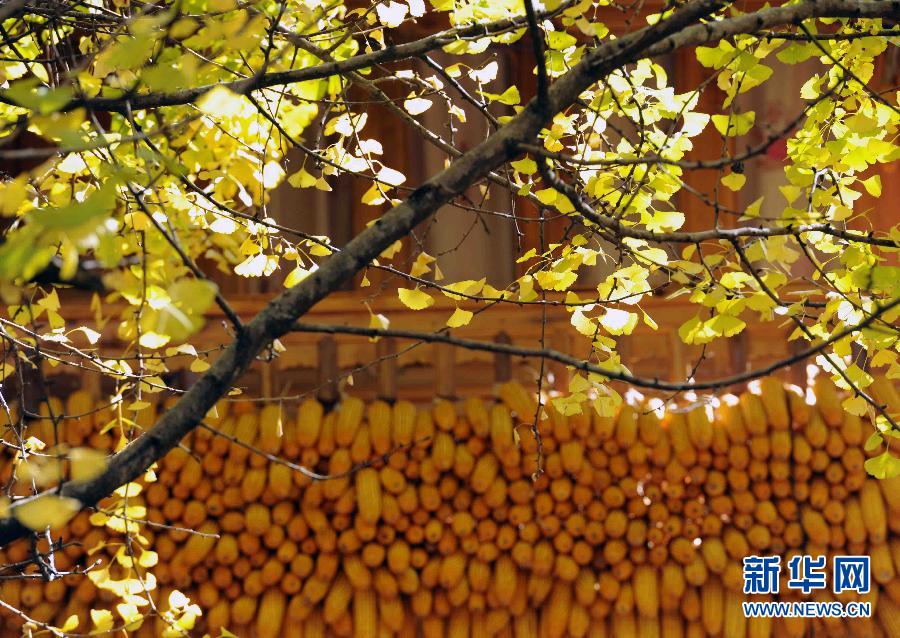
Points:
(437, 524)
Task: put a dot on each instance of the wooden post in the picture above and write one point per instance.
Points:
(678, 370)
(444, 369)
(502, 361)
(328, 371)
(699, 215)
(90, 383)
(266, 377)
(558, 340)
(797, 371)
(737, 349)
(386, 383)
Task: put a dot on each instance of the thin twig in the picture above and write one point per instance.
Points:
(585, 366)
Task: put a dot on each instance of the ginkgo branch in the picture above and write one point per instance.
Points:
(223, 304)
(683, 27)
(605, 372)
(730, 234)
(835, 366)
(750, 152)
(396, 53)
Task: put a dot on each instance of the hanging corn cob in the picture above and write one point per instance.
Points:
(637, 526)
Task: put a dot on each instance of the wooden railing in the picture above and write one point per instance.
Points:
(312, 364)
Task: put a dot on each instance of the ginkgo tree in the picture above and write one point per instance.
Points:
(150, 136)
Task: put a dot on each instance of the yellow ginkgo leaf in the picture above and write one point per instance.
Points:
(178, 600)
(302, 179)
(390, 251)
(221, 102)
(378, 321)
(148, 559)
(294, 277)
(509, 97)
(416, 105)
(102, 619)
(872, 185)
(734, 124)
(129, 612)
(415, 299)
(153, 384)
(618, 322)
(129, 490)
(199, 365)
(391, 176)
(319, 249)
(86, 463)
(70, 625)
(49, 510)
(154, 340)
(42, 471)
(391, 14)
(459, 318)
(734, 181)
(422, 265)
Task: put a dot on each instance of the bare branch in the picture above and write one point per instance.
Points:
(585, 366)
(802, 37)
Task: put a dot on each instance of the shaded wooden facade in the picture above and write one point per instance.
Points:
(473, 248)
